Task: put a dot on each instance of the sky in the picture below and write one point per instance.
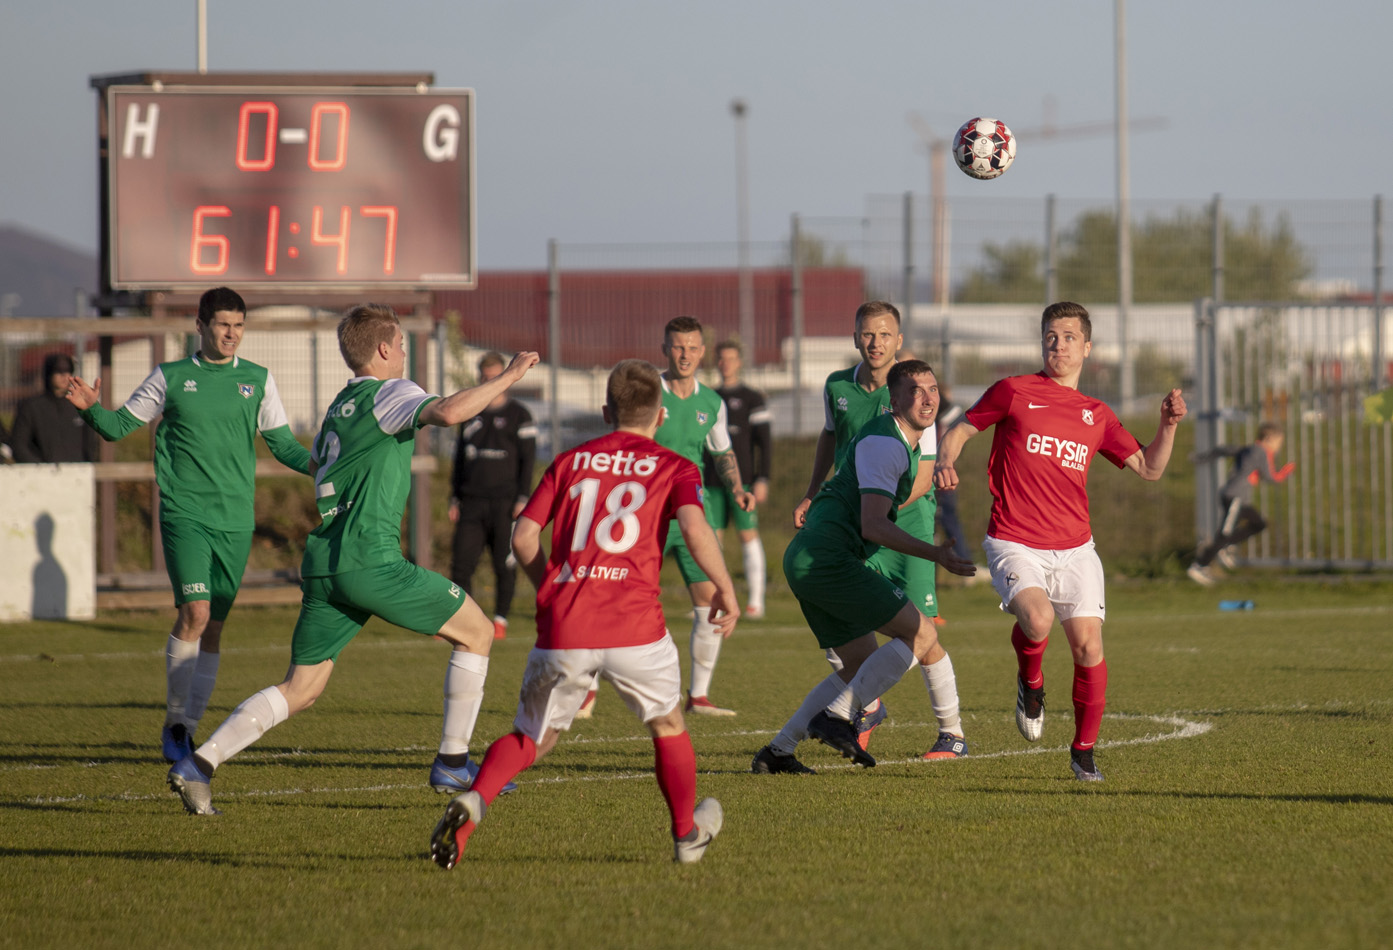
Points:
(610, 122)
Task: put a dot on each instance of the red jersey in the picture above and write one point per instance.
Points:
(1046, 437)
(610, 501)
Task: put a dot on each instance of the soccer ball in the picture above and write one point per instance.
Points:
(984, 148)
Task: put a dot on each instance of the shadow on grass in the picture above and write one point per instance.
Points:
(252, 860)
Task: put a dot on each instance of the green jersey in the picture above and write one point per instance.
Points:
(694, 423)
(878, 460)
(848, 406)
(363, 451)
(205, 452)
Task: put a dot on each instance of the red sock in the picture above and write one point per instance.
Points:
(1030, 655)
(507, 757)
(675, 765)
(1090, 696)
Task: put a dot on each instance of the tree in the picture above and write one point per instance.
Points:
(1172, 262)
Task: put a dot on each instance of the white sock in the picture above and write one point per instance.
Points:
(943, 695)
(754, 571)
(248, 722)
(706, 647)
(205, 677)
(796, 729)
(180, 658)
(882, 670)
(464, 695)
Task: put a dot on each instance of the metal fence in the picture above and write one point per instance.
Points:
(1309, 369)
(971, 302)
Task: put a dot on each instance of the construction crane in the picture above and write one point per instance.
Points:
(937, 148)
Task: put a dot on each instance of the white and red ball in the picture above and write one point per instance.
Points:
(984, 148)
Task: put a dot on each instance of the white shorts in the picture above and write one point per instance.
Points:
(1072, 578)
(648, 678)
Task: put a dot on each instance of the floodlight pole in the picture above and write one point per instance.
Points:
(1124, 217)
(202, 27)
(739, 108)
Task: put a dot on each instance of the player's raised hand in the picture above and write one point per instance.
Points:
(83, 396)
(522, 363)
(945, 476)
(1173, 408)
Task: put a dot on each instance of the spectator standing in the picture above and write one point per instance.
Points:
(491, 483)
(747, 420)
(47, 427)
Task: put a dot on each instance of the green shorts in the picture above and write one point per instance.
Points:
(915, 576)
(721, 509)
(334, 608)
(677, 546)
(842, 598)
(204, 563)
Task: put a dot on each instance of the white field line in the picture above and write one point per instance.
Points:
(1182, 729)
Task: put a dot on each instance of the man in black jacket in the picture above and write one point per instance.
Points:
(47, 426)
(492, 481)
(748, 420)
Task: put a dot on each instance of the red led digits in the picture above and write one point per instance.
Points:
(267, 160)
(317, 235)
(389, 248)
(200, 241)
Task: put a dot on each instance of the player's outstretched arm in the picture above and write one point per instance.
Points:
(1150, 461)
(822, 464)
(877, 528)
(945, 466)
(468, 403)
(111, 426)
(706, 551)
(527, 548)
(287, 449)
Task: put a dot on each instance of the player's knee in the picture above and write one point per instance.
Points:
(193, 619)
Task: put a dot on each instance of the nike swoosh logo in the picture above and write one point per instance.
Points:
(1031, 405)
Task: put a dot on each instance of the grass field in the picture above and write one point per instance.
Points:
(1248, 801)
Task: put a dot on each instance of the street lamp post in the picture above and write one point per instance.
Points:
(738, 108)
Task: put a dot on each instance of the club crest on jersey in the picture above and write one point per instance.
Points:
(1088, 417)
(701, 417)
(885, 410)
(246, 389)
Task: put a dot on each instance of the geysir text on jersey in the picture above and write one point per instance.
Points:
(1071, 454)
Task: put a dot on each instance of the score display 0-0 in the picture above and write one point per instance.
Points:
(290, 187)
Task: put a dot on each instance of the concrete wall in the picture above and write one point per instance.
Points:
(47, 544)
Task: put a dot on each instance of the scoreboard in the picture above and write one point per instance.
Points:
(289, 187)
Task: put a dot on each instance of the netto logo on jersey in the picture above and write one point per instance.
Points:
(198, 588)
(343, 410)
(618, 463)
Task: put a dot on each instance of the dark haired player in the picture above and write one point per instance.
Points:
(1039, 541)
(213, 404)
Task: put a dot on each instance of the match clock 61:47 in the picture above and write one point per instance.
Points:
(290, 187)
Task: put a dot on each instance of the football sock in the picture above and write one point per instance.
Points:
(706, 647)
(247, 723)
(754, 571)
(943, 695)
(180, 658)
(882, 670)
(796, 729)
(205, 677)
(464, 695)
(507, 757)
(675, 767)
(1030, 656)
(1090, 696)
